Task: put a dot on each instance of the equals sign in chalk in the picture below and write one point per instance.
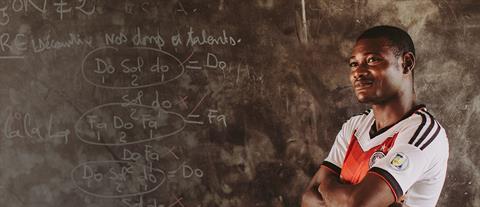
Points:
(171, 174)
(192, 67)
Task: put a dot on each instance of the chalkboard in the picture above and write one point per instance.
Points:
(144, 103)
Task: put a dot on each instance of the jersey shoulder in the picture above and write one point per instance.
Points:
(360, 119)
(423, 131)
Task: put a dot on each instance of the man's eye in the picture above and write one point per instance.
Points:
(373, 59)
(353, 64)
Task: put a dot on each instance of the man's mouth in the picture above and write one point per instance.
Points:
(362, 84)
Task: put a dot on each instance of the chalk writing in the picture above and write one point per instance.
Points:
(154, 123)
(215, 117)
(73, 40)
(103, 67)
(41, 7)
(191, 118)
(171, 152)
(193, 114)
(178, 201)
(240, 75)
(152, 202)
(186, 171)
(17, 43)
(149, 155)
(133, 59)
(157, 40)
(20, 125)
(131, 202)
(61, 4)
(146, 7)
(179, 101)
(209, 39)
(138, 39)
(232, 73)
(116, 179)
(212, 62)
(5, 18)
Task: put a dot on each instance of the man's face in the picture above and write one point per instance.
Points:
(376, 73)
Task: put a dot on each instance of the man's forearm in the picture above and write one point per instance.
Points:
(372, 191)
(336, 193)
(326, 189)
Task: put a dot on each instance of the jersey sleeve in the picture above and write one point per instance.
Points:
(418, 154)
(336, 156)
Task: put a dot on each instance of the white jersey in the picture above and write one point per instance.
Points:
(410, 156)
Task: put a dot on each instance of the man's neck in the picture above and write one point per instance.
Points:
(391, 112)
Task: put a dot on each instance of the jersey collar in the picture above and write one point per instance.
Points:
(373, 129)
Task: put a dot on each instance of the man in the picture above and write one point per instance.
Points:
(394, 154)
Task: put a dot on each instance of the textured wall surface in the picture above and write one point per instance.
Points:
(209, 103)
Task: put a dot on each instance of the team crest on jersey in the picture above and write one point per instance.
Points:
(375, 156)
(399, 162)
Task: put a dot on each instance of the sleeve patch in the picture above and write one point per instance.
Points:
(399, 162)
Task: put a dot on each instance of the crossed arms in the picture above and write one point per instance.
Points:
(327, 190)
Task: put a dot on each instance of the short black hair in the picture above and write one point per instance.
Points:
(400, 39)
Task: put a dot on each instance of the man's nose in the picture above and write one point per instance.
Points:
(360, 71)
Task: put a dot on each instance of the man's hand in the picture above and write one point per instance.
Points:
(313, 198)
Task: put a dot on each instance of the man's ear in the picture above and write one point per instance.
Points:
(408, 64)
